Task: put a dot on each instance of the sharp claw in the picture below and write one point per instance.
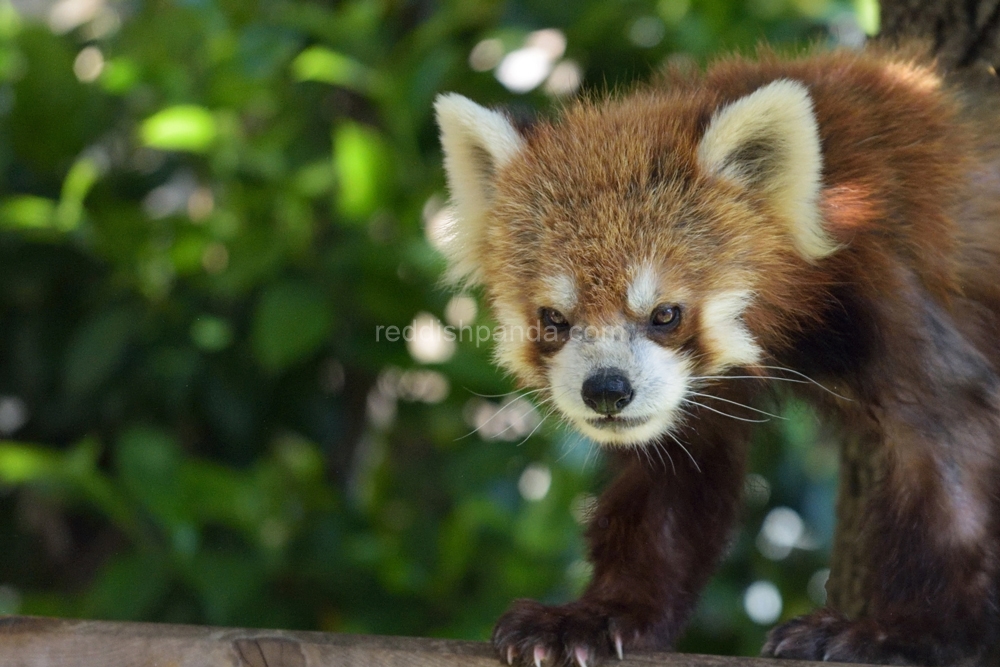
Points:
(510, 655)
(618, 646)
(540, 655)
(581, 656)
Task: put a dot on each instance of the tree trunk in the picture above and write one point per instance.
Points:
(861, 471)
(966, 36)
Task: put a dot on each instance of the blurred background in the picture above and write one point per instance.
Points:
(206, 209)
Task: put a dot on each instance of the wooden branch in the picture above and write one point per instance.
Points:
(49, 642)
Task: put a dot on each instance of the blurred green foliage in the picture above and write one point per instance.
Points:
(207, 208)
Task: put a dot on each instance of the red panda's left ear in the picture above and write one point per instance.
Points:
(769, 141)
(477, 142)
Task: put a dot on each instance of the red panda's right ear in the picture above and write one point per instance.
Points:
(477, 142)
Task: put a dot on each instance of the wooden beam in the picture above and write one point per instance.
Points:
(48, 642)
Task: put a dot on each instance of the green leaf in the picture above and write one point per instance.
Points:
(360, 160)
(27, 212)
(12, 62)
(222, 495)
(78, 182)
(211, 333)
(228, 585)
(128, 588)
(10, 21)
(291, 321)
(80, 178)
(74, 469)
(314, 179)
(97, 350)
(185, 127)
(188, 251)
(20, 463)
(119, 75)
(149, 463)
(318, 63)
(867, 15)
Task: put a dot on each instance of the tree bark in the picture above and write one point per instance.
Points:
(861, 471)
(965, 37)
(964, 34)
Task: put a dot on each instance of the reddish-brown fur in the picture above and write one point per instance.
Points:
(903, 319)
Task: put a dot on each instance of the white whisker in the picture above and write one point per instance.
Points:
(806, 380)
(657, 448)
(726, 400)
(537, 426)
(806, 377)
(590, 452)
(659, 455)
(748, 377)
(541, 421)
(649, 459)
(503, 408)
(726, 414)
(686, 450)
(507, 393)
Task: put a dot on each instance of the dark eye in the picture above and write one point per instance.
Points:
(553, 318)
(666, 317)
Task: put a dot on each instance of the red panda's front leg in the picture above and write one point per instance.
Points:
(930, 590)
(654, 540)
(930, 529)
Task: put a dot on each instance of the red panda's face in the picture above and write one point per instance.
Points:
(623, 379)
(630, 254)
(621, 326)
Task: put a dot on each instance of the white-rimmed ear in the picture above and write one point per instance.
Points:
(477, 142)
(769, 140)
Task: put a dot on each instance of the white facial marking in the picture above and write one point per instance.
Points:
(644, 290)
(725, 333)
(560, 293)
(659, 379)
(511, 340)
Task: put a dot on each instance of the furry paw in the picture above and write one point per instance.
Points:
(580, 634)
(827, 635)
(818, 636)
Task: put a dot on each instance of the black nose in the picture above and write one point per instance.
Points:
(607, 391)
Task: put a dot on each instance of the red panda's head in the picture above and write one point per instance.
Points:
(635, 250)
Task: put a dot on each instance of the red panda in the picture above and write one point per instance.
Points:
(830, 221)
